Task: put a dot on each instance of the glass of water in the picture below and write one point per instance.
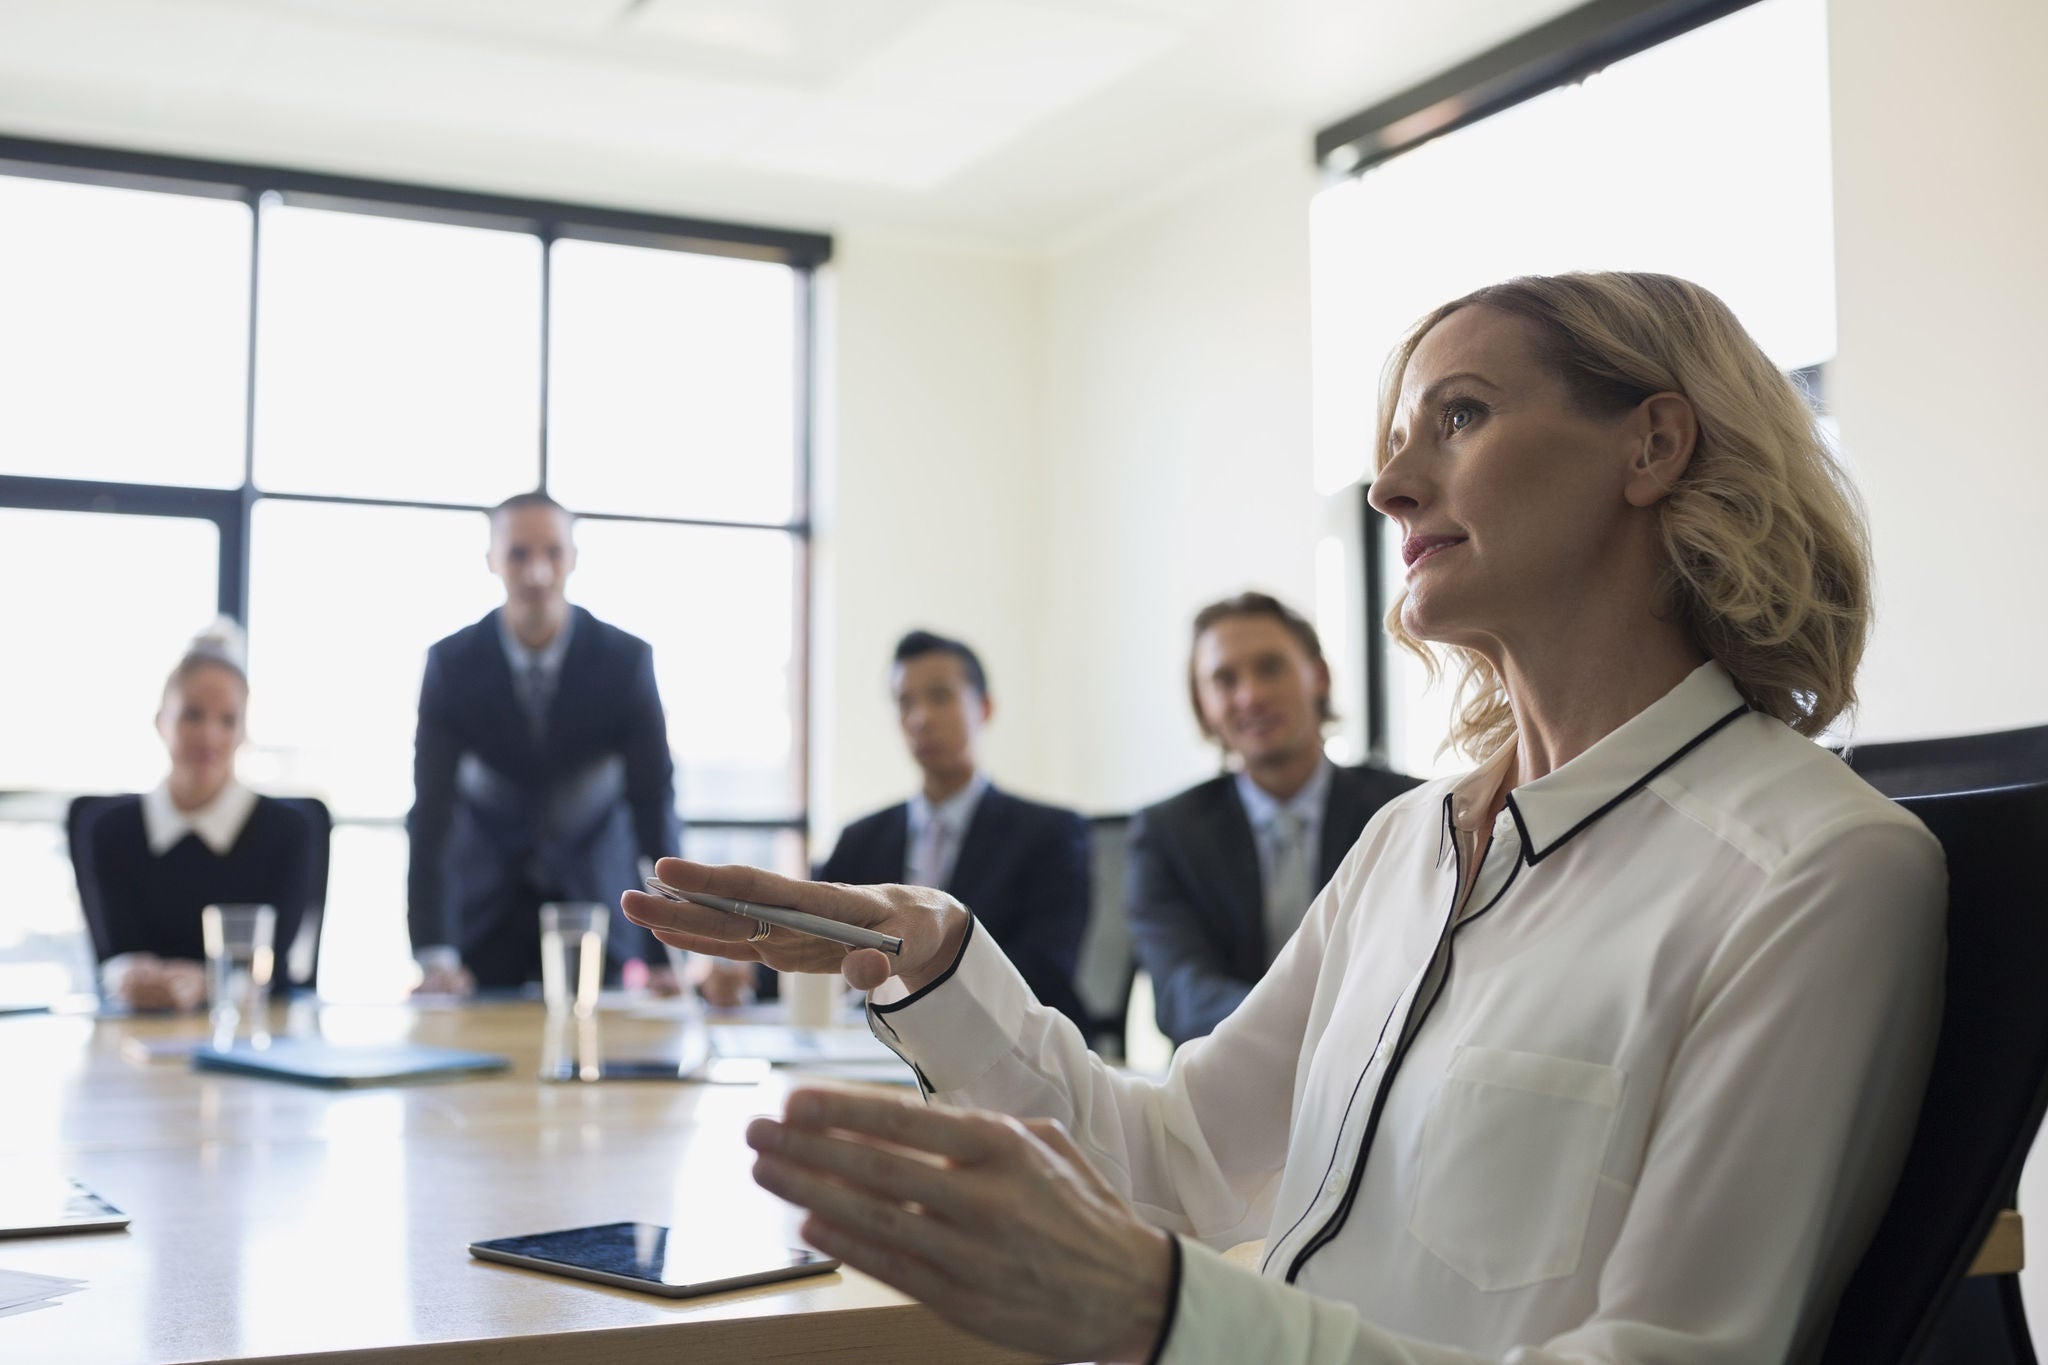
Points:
(240, 958)
(572, 955)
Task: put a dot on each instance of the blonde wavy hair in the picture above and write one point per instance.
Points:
(1768, 567)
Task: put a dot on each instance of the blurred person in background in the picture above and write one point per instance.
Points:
(1023, 866)
(1218, 877)
(149, 864)
(541, 771)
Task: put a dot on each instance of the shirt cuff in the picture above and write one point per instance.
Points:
(1172, 1304)
(437, 955)
(1227, 1312)
(960, 1025)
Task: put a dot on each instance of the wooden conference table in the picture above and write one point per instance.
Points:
(279, 1222)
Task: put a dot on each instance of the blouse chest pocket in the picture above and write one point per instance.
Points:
(1511, 1156)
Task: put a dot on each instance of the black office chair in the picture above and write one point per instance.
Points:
(1908, 1302)
(1108, 964)
(301, 956)
(1954, 763)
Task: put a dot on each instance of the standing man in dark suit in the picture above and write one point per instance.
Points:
(1218, 878)
(541, 771)
(1021, 867)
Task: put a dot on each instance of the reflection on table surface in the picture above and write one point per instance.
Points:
(273, 1219)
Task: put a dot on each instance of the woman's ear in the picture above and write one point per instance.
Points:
(1667, 429)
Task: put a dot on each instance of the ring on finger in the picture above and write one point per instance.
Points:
(762, 928)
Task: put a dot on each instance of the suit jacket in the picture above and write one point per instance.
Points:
(1195, 899)
(1023, 870)
(500, 824)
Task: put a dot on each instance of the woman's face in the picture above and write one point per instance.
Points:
(201, 723)
(1511, 503)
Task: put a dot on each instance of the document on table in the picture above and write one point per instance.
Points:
(21, 1292)
(783, 1045)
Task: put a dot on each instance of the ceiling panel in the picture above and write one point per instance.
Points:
(1012, 123)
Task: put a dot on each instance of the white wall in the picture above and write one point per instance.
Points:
(1178, 463)
(1060, 460)
(1940, 130)
(930, 503)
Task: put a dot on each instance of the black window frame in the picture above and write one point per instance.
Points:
(231, 509)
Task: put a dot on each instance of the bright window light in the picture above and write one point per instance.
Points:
(396, 359)
(672, 384)
(124, 334)
(1706, 157)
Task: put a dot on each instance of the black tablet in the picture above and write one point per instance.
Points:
(645, 1256)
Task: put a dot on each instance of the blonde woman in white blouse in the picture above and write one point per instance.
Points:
(1606, 1051)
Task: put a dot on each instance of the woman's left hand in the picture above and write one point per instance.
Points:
(1000, 1226)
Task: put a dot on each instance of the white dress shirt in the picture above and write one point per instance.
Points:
(1644, 1100)
(1287, 869)
(536, 673)
(954, 815)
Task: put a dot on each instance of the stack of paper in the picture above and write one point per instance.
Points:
(21, 1292)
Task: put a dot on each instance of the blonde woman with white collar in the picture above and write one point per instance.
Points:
(199, 838)
(1607, 1051)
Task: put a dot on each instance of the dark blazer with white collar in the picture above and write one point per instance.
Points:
(500, 823)
(1023, 870)
(1195, 898)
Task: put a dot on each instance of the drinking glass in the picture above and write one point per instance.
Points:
(240, 958)
(572, 937)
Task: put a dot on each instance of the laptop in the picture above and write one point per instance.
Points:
(314, 1061)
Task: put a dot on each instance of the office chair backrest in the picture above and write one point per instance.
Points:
(302, 962)
(1988, 1088)
(77, 817)
(1955, 763)
(302, 956)
(1102, 977)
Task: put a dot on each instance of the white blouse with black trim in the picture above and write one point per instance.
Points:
(1644, 1098)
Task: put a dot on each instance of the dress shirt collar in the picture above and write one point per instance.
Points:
(956, 810)
(218, 823)
(1556, 806)
(548, 656)
(1261, 806)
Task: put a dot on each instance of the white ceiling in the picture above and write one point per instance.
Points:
(1007, 123)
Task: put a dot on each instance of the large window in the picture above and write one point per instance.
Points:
(1705, 156)
(290, 398)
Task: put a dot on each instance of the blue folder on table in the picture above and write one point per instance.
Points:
(313, 1061)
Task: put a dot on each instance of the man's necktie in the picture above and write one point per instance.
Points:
(533, 700)
(924, 863)
(1292, 885)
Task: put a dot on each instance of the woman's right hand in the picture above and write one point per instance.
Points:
(931, 923)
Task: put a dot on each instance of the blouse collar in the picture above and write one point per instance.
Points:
(1561, 803)
(218, 823)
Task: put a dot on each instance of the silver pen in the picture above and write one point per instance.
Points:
(782, 917)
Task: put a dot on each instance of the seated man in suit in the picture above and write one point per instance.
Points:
(541, 770)
(1021, 867)
(1218, 878)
